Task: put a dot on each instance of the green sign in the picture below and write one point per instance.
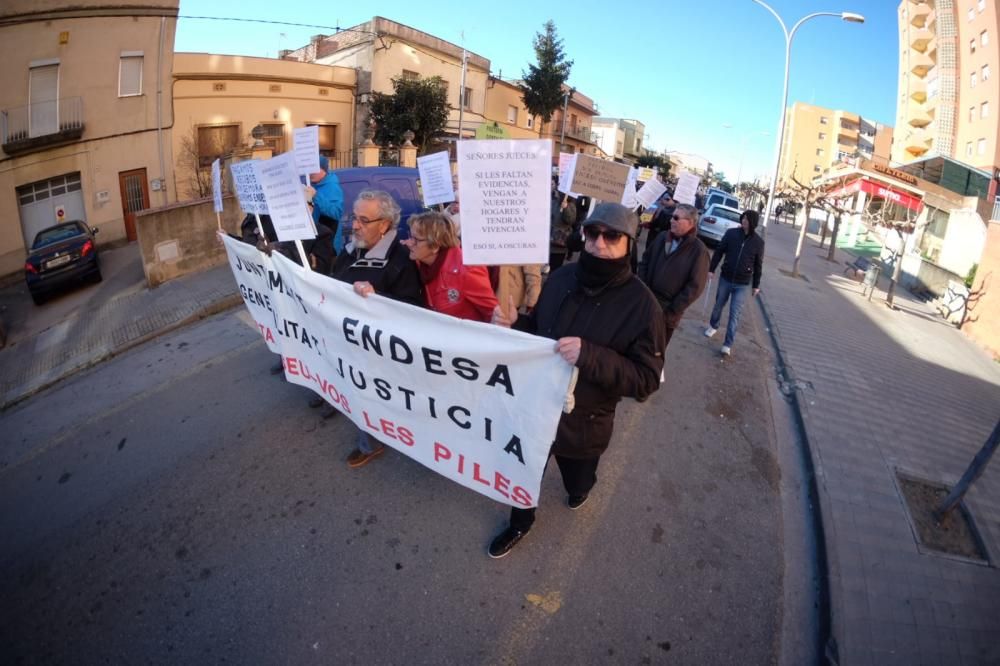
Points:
(491, 131)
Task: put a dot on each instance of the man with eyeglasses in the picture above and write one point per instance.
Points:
(675, 266)
(375, 262)
(609, 326)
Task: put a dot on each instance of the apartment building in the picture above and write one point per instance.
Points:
(505, 107)
(948, 92)
(571, 130)
(817, 138)
(85, 117)
(634, 134)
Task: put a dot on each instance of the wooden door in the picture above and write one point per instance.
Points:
(135, 197)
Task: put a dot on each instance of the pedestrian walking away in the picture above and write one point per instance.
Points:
(609, 326)
(741, 252)
(675, 266)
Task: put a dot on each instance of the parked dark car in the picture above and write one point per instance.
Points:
(403, 183)
(61, 255)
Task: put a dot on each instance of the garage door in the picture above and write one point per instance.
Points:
(41, 203)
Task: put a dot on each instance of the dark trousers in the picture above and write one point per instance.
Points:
(556, 259)
(579, 476)
(670, 334)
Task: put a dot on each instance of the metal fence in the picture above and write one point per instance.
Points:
(342, 159)
(42, 119)
(388, 157)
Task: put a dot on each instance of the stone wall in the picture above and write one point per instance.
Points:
(983, 320)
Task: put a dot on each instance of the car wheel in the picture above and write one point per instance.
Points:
(37, 298)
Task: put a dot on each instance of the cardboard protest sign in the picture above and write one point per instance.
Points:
(628, 196)
(567, 162)
(216, 186)
(256, 279)
(687, 188)
(505, 189)
(650, 192)
(435, 178)
(286, 200)
(476, 403)
(306, 142)
(248, 190)
(597, 178)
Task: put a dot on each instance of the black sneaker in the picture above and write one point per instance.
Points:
(574, 502)
(505, 542)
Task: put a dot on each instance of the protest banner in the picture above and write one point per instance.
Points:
(597, 178)
(647, 174)
(435, 178)
(286, 200)
(567, 162)
(254, 273)
(628, 196)
(217, 188)
(476, 403)
(248, 190)
(505, 189)
(650, 192)
(306, 148)
(687, 188)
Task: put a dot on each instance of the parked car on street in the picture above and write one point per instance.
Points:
(61, 255)
(716, 196)
(716, 221)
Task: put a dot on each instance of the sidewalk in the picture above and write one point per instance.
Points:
(120, 323)
(881, 392)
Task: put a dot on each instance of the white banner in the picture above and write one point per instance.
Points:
(504, 187)
(248, 190)
(650, 192)
(474, 402)
(687, 188)
(286, 199)
(306, 142)
(216, 186)
(435, 178)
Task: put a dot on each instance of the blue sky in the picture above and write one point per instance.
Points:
(685, 68)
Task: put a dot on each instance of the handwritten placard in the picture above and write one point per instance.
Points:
(247, 188)
(597, 178)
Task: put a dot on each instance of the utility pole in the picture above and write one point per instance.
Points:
(461, 93)
(562, 135)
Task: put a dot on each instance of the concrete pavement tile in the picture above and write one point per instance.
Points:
(857, 630)
(902, 612)
(944, 614)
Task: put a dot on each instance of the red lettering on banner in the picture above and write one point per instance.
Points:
(475, 475)
(388, 427)
(266, 332)
(291, 366)
(521, 496)
(371, 426)
(498, 482)
(441, 452)
(405, 436)
(501, 483)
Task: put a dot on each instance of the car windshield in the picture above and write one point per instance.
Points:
(56, 234)
(731, 215)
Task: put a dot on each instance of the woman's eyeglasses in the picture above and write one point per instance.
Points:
(593, 233)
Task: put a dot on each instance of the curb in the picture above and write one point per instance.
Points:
(825, 641)
(213, 308)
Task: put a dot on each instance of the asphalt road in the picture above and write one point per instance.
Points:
(179, 504)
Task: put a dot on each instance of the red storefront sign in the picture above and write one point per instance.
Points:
(876, 189)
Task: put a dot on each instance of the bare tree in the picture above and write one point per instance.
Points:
(808, 195)
(196, 180)
(972, 472)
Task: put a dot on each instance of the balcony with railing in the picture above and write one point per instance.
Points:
(41, 124)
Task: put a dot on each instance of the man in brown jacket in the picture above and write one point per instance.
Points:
(675, 266)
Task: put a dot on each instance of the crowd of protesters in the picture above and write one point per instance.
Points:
(611, 315)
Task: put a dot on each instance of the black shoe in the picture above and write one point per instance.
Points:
(277, 369)
(576, 501)
(505, 542)
(316, 401)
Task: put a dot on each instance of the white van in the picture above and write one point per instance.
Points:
(715, 196)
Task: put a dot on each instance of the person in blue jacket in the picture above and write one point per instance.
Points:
(328, 201)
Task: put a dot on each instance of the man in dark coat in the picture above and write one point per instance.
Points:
(608, 325)
(743, 251)
(660, 221)
(675, 266)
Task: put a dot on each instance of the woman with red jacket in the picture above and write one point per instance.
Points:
(451, 287)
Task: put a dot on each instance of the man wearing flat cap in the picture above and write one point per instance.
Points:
(608, 325)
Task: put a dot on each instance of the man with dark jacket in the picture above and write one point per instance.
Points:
(675, 266)
(661, 220)
(607, 324)
(743, 250)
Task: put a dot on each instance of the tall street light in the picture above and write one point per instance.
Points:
(743, 149)
(850, 17)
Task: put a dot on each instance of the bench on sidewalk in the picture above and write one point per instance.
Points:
(859, 265)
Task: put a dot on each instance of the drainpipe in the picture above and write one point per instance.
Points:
(159, 114)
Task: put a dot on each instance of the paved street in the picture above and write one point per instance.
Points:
(885, 392)
(178, 504)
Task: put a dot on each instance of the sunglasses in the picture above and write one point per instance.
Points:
(593, 233)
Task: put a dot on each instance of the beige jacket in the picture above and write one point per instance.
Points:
(522, 283)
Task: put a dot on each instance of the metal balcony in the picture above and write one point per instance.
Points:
(34, 126)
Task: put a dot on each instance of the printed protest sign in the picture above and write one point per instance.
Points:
(216, 186)
(476, 403)
(248, 190)
(650, 192)
(435, 178)
(257, 282)
(286, 200)
(505, 189)
(628, 196)
(687, 188)
(567, 163)
(597, 178)
(306, 149)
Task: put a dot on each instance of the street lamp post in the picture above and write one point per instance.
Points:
(743, 150)
(850, 17)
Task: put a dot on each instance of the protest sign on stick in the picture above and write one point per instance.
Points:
(567, 163)
(217, 191)
(687, 188)
(650, 192)
(286, 201)
(435, 178)
(599, 179)
(505, 190)
(248, 190)
(306, 141)
(628, 196)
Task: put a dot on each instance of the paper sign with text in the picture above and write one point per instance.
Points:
(248, 190)
(628, 196)
(600, 179)
(567, 163)
(286, 200)
(647, 174)
(687, 188)
(505, 189)
(650, 192)
(476, 403)
(216, 186)
(306, 149)
(435, 178)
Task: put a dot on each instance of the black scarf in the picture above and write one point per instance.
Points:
(595, 274)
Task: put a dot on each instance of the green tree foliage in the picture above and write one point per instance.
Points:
(420, 105)
(541, 89)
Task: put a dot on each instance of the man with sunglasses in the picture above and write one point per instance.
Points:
(675, 266)
(609, 326)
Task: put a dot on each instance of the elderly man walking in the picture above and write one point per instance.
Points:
(743, 251)
(607, 324)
